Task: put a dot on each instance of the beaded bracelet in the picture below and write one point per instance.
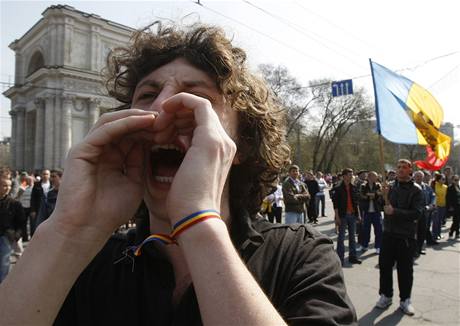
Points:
(178, 228)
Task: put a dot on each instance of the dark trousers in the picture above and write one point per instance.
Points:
(399, 251)
(455, 224)
(429, 236)
(421, 231)
(320, 199)
(24, 233)
(374, 219)
(311, 211)
(275, 214)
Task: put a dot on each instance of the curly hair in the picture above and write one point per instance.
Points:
(261, 143)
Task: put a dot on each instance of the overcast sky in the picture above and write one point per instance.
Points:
(313, 39)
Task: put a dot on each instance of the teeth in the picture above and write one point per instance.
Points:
(156, 148)
(163, 179)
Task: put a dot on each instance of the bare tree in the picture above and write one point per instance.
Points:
(292, 96)
(334, 118)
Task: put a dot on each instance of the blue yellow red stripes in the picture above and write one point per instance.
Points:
(193, 219)
(162, 238)
(178, 228)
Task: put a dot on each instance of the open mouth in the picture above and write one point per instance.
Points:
(165, 160)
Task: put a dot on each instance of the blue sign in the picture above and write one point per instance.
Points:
(343, 87)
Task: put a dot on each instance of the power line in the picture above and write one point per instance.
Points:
(444, 76)
(309, 34)
(268, 36)
(343, 30)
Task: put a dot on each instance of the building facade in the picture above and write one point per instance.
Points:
(58, 93)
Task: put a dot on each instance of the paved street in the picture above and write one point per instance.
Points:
(436, 290)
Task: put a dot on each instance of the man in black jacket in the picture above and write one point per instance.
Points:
(39, 192)
(11, 219)
(345, 197)
(404, 206)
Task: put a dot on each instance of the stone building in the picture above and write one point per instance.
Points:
(58, 92)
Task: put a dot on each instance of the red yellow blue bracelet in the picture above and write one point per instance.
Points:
(191, 220)
(178, 228)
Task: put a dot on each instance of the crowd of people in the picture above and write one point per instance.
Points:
(26, 200)
(406, 211)
(184, 144)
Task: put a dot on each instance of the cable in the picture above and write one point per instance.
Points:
(268, 36)
(444, 76)
(316, 37)
(336, 26)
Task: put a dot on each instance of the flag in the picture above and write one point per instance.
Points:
(407, 113)
(431, 163)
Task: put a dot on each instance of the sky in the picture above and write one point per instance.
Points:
(313, 39)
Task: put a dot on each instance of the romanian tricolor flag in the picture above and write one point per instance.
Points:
(407, 113)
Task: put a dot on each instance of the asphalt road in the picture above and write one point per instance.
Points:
(436, 289)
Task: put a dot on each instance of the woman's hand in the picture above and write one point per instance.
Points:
(102, 184)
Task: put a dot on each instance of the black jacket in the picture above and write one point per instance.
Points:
(365, 199)
(36, 197)
(12, 215)
(295, 265)
(407, 201)
(453, 199)
(339, 198)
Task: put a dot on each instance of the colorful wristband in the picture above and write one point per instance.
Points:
(178, 228)
(162, 238)
(191, 220)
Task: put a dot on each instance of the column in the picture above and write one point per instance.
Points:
(19, 71)
(66, 130)
(57, 122)
(39, 133)
(13, 137)
(68, 36)
(60, 39)
(94, 48)
(94, 111)
(48, 132)
(20, 138)
(52, 43)
(29, 140)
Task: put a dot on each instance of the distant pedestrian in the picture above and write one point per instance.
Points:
(39, 191)
(402, 211)
(440, 189)
(320, 197)
(345, 198)
(295, 196)
(49, 200)
(276, 201)
(313, 189)
(11, 220)
(371, 206)
(453, 203)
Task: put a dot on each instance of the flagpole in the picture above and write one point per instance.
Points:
(382, 166)
(382, 162)
(379, 132)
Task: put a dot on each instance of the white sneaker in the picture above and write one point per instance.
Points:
(384, 302)
(377, 251)
(406, 307)
(359, 248)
